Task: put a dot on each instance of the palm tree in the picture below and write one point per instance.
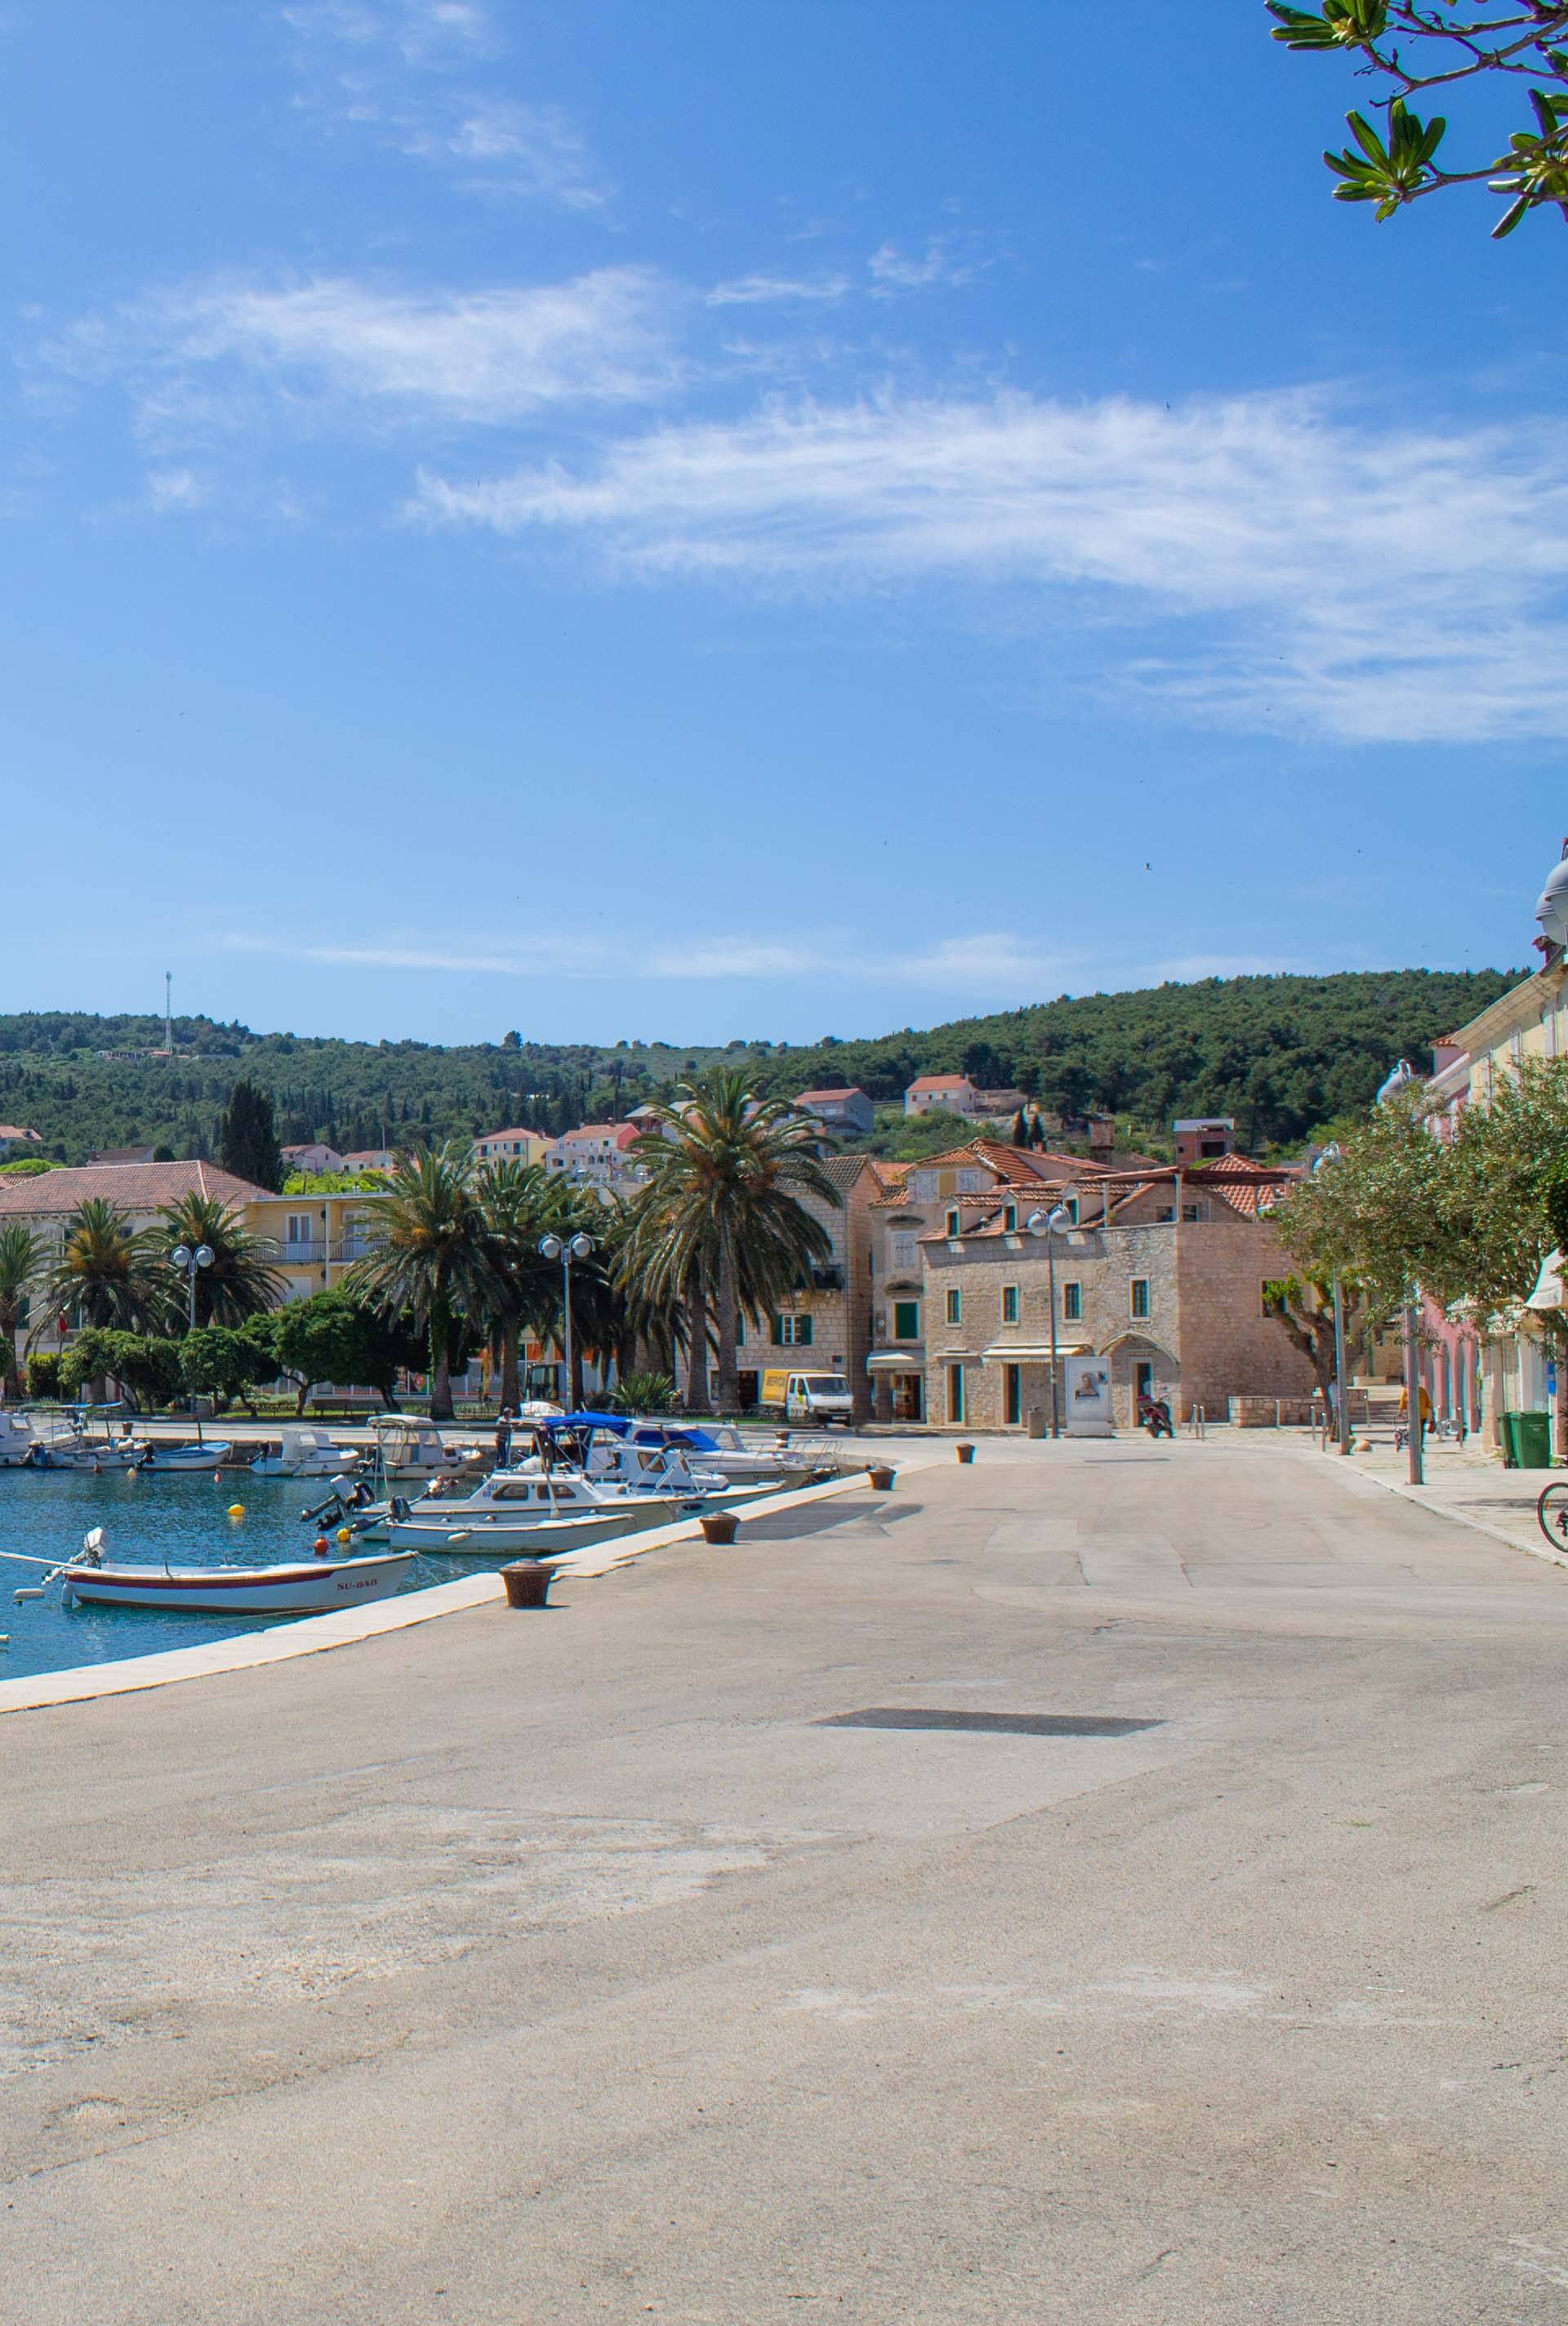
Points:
(517, 1203)
(432, 1257)
(240, 1283)
(108, 1273)
(720, 1221)
(21, 1265)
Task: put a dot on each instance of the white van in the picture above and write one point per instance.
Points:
(808, 1396)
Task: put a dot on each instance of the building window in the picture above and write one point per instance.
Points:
(1010, 1219)
(792, 1332)
(906, 1320)
(952, 1223)
(954, 1308)
(1009, 1304)
(1073, 1302)
(1192, 1211)
(1138, 1292)
(1073, 1209)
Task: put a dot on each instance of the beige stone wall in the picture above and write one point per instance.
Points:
(1231, 1348)
(1205, 1336)
(841, 1319)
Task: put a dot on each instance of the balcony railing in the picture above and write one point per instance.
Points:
(300, 1255)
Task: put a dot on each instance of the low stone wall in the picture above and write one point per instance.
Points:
(1271, 1412)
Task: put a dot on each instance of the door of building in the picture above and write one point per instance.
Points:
(955, 1395)
(1142, 1382)
(1012, 1394)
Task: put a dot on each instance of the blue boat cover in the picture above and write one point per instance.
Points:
(617, 1422)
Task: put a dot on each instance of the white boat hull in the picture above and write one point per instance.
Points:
(84, 1457)
(185, 1457)
(508, 1536)
(311, 1587)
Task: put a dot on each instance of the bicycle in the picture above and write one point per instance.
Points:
(1552, 1511)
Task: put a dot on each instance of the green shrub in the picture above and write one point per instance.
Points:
(43, 1373)
(645, 1393)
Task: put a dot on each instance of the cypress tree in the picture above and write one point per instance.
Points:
(248, 1140)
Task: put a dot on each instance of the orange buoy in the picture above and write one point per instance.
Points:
(319, 1547)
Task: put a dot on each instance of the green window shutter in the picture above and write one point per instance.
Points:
(775, 1332)
(906, 1320)
(802, 1332)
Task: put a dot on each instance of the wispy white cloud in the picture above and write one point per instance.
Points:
(1371, 582)
(893, 270)
(768, 290)
(399, 68)
(994, 962)
(199, 356)
(175, 488)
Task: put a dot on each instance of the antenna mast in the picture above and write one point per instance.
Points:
(169, 1011)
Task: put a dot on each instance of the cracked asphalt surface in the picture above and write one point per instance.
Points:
(566, 1966)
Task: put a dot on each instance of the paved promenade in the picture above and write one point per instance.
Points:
(527, 1968)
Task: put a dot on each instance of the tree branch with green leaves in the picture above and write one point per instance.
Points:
(1444, 44)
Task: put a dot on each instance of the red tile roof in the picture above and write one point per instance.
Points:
(940, 1081)
(134, 1186)
(15, 1130)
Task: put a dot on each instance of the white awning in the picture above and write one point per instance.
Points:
(1548, 1292)
(897, 1360)
(1030, 1353)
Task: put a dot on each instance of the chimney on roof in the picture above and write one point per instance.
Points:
(1102, 1136)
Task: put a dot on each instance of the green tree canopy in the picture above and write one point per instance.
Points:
(334, 1336)
(247, 1139)
(432, 1257)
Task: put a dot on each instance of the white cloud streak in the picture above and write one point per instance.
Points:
(482, 357)
(1395, 582)
(998, 960)
(396, 68)
(772, 290)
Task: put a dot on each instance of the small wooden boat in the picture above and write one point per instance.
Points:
(310, 1586)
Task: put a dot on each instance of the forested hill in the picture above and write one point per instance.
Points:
(1282, 1054)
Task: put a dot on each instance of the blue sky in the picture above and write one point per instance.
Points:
(757, 518)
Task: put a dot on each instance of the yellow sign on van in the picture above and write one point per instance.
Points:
(774, 1386)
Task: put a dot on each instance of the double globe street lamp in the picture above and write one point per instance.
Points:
(1052, 1224)
(566, 1249)
(1405, 1078)
(191, 1262)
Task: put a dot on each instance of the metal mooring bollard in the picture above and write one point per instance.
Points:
(528, 1583)
(881, 1479)
(720, 1527)
(966, 1453)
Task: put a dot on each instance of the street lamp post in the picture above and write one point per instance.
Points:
(191, 1262)
(1403, 1078)
(566, 1249)
(1052, 1224)
(1330, 1154)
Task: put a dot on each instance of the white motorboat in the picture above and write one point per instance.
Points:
(530, 1511)
(608, 1448)
(78, 1437)
(16, 1439)
(305, 1454)
(719, 1446)
(310, 1586)
(406, 1446)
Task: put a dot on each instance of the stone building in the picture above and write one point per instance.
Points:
(825, 1325)
(1162, 1271)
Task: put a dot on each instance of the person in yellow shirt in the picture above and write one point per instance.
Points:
(1423, 1402)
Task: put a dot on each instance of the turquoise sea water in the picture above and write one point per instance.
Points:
(45, 1514)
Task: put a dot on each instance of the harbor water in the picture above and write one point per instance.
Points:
(151, 1516)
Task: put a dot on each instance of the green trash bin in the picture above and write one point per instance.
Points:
(1509, 1431)
(1533, 1435)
